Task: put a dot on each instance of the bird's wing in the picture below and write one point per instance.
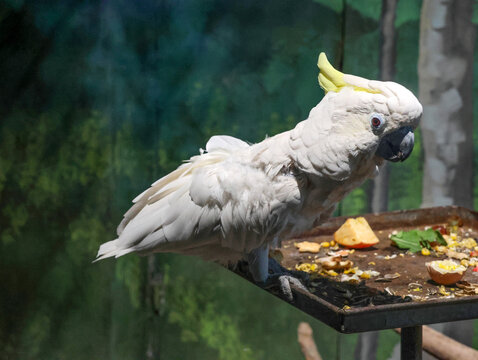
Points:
(213, 200)
(225, 142)
(218, 147)
(253, 206)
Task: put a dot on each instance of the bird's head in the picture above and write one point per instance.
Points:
(382, 115)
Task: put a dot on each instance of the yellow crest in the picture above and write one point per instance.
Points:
(331, 79)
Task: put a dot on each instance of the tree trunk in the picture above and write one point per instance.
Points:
(367, 344)
(445, 70)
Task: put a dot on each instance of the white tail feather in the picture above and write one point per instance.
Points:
(106, 250)
(165, 213)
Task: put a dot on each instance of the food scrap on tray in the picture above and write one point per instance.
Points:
(445, 272)
(356, 233)
(308, 246)
(418, 240)
(411, 263)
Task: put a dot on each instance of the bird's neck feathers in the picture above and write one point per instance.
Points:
(333, 144)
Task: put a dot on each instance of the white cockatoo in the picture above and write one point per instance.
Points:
(230, 202)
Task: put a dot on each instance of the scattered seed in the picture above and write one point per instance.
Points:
(432, 291)
(389, 291)
(412, 286)
(392, 276)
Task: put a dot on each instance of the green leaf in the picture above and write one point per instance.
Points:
(415, 240)
(407, 240)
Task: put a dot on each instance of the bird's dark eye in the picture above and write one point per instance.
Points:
(376, 121)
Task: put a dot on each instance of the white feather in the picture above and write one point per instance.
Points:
(225, 142)
(235, 197)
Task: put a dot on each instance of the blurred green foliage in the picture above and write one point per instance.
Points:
(99, 99)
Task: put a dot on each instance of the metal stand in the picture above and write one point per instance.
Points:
(411, 343)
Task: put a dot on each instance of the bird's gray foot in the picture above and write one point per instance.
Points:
(269, 274)
(284, 283)
(283, 279)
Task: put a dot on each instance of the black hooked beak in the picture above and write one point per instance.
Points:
(398, 145)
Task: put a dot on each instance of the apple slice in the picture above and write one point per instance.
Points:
(356, 233)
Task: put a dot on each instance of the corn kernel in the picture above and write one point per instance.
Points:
(453, 236)
(469, 243)
(332, 273)
(371, 263)
(365, 275)
(325, 244)
(442, 291)
(425, 252)
(307, 267)
(332, 243)
(448, 266)
(464, 262)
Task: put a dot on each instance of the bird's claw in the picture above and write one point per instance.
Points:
(283, 278)
(285, 281)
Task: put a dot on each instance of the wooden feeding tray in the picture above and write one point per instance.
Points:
(422, 302)
(370, 305)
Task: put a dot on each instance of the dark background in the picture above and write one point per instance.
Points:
(99, 99)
